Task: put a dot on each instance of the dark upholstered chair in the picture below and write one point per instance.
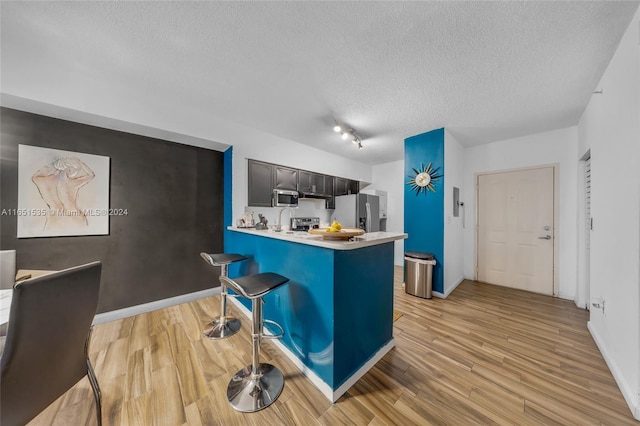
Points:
(46, 350)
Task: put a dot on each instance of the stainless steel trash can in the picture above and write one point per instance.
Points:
(418, 279)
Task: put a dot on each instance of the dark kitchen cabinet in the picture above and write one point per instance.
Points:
(353, 187)
(311, 183)
(261, 177)
(345, 186)
(340, 186)
(329, 182)
(285, 178)
(304, 181)
(265, 177)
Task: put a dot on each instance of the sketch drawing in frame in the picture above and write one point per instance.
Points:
(61, 193)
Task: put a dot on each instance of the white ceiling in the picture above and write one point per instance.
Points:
(485, 70)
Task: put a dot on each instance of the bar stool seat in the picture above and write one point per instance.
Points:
(222, 326)
(258, 385)
(252, 286)
(225, 258)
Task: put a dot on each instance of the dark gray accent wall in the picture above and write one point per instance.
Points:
(173, 194)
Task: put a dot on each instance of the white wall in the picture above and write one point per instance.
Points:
(554, 147)
(180, 125)
(610, 127)
(307, 207)
(390, 177)
(454, 160)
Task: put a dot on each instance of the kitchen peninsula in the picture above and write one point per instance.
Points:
(337, 309)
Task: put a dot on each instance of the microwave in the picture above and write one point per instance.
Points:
(283, 198)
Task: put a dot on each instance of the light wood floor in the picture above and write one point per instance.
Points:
(485, 355)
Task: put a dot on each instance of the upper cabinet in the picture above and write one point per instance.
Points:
(265, 177)
(344, 186)
(312, 183)
(329, 182)
(354, 186)
(285, 178)
(304, 181)
(261, 177)
(341, 186)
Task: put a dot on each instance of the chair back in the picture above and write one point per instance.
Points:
(7, 268)
(45, 352)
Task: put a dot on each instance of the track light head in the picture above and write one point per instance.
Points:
(346, 133)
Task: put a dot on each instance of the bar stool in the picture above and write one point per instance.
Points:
(258, 385)
(222, 326)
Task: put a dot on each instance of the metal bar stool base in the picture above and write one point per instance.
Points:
(221, 331)
(249, 394)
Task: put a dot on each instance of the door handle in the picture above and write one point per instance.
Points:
(546, 237)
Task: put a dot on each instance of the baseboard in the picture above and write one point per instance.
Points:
(582, 304)
(323, 387)
(441, 295)
(632, 398)
(454, 286)
(363, 370)
(152, 306)
(438, 295)
(571, 297)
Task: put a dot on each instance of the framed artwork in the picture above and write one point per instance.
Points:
(62, 193)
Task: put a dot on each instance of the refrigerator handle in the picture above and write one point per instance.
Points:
(367, 206)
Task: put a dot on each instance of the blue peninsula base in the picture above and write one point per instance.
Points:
(336, 310)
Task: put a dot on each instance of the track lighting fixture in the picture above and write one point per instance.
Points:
(348, 133)
(356, 140)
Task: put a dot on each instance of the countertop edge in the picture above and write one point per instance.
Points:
(369, 239)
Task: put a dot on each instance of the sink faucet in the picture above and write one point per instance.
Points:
(279, 225)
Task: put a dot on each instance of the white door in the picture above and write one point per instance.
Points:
(516, 229)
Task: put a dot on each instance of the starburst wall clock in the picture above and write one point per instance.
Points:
(424, 179)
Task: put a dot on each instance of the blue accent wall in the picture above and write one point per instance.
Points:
(424, 213)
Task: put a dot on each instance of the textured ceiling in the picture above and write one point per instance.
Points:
(485, 70)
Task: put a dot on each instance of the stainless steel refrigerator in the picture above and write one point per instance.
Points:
(358, 211)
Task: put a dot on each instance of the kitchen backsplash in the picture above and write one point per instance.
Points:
(307, 207)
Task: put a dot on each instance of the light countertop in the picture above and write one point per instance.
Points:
(302, 237)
